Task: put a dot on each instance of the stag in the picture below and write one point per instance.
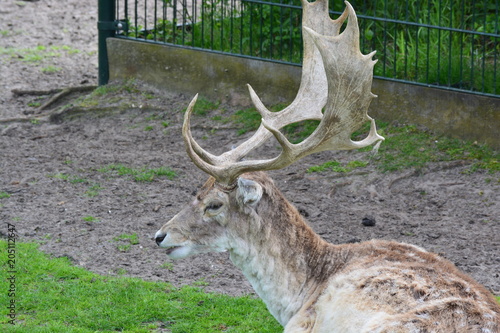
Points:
(308, 284)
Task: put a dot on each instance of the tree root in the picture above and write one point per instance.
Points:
(21, 120)
(58, 94)
(54, 114)
(65, 92)
(19, 92)
(57, 114)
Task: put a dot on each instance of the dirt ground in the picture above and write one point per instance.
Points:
(58, 196)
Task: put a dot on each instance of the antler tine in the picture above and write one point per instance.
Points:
(349, 75)
(225, 173)
(194, 151)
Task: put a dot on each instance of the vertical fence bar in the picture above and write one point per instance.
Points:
(483, 65)
(126, 17)
(472, 51)
(417, 38)
(106, 18)
(497, 30)
(155, 21)
(462, 35)
(450, 48)
(222, 9)
(136, 19)
(261, 30)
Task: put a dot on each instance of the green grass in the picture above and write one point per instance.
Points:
(142, 174)
(90, 218)
(126, 86)
(69, 178)
(338, 167)
(133, 239)
(51, 295)
(34, 104)
(4, 195)
(50, 69)
(409, 147)
(93, 190)
(203, 106)
(249, 119)
(37, 54)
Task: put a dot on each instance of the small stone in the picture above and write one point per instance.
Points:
(354, 240)
(368, 221)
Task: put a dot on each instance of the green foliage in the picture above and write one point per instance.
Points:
(54, 296)
(431, 55)
(255, 29)
(142, 174)
(4, 195)
(417, 52)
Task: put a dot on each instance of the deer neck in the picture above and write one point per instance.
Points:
(282, 258)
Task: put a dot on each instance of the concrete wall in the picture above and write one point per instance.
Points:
(224, 78)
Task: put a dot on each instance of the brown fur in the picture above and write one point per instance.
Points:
(323, 260)
(299, 275)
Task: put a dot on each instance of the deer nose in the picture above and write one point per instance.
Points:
(159, 237)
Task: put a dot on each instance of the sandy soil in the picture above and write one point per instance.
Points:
(50, 169)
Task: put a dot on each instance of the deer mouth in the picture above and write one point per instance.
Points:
(172, 249)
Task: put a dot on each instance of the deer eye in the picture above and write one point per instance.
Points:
(213, 206)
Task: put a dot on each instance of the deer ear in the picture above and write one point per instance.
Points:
(249, 192)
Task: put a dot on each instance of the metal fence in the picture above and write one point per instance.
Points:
(451, 44)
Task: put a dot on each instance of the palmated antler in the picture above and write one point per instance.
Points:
(312, 94)
(334, 61)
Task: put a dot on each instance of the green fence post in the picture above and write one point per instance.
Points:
(107, 26)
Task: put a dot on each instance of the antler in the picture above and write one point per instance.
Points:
(312, 94)
(332, 61)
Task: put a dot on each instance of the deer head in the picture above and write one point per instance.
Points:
(336, 77)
